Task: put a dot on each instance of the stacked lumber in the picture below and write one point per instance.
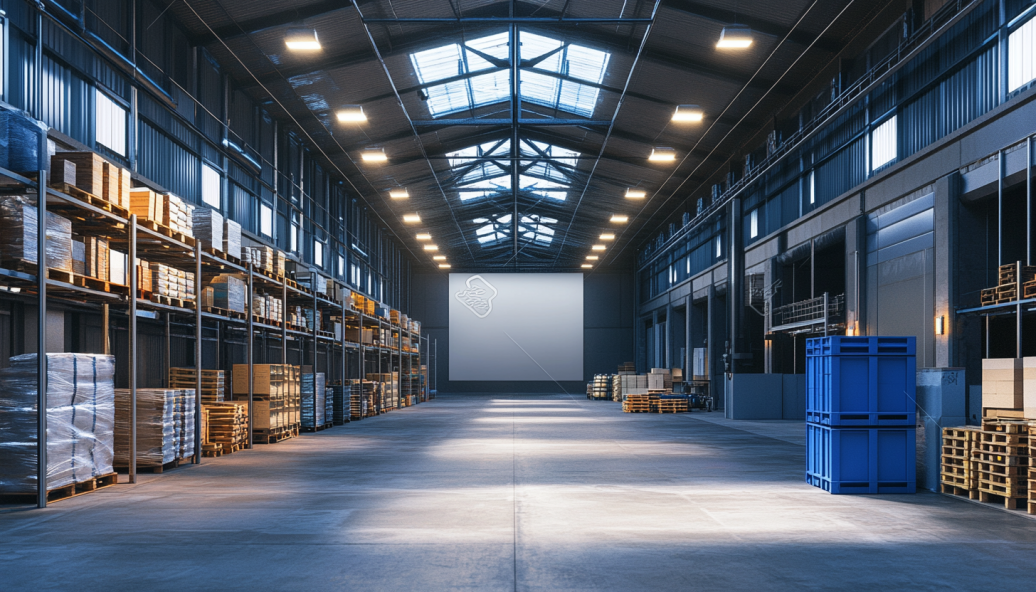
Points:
(177, 214)
(93, 174)
(97, 253)
(227, 425)
(1002, 462)
(165, 427)
(207, 225)
(959, 475)
(80, 419)
(213, 388)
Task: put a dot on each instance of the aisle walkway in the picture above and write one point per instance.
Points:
(537, 493)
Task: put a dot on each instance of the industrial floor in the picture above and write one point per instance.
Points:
(494, 493)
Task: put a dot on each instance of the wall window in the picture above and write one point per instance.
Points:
(341, 266)
(812, 188)
(719, 248)
(883, 144)
(294, 247)
(1021, 56)
(318, 253)
(753, 224)
(110, 121)
(210, 186)
(265, 220)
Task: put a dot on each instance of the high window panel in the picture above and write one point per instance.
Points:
(753, 224)
(884, 145)
(1021, 56)
(110, 123)
(211, 184)
(547, 173)
(266, 220)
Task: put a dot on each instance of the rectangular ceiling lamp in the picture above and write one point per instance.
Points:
(592, 257)
(617, 219)
(597, 248)
(424, 236)
(302, 40)
(662, 155)
(411, 218)
(608, 236)
(586, 266)
(431, 247)
(374, 155)
(351, 114)
(400, 193)
(439, 258)
(688, 114)
(735, 37)
(632, 193)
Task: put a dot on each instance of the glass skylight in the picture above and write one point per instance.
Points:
(477, 73)
(547, 173)
(531, 227)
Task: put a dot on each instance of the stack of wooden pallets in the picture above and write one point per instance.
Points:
(1001, 457)
(672, 405)
(227, 426)
(1014, 280)
(959, 473)
(640, 403)
(213, 386)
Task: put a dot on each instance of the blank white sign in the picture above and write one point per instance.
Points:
(516, 326)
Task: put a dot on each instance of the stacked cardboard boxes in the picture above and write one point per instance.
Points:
(1003, 382)
(232, 238)
(207, 225)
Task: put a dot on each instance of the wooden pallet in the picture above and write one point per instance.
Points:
(273, 435)
(320, 428)
(1006, 293)
(166, 231)
(231, 314)
(159, 468)
(955, 489)
(170, 301)
(212, 450)
(64, 492)
(672, 406)
(89, 198)
(1011, 502)
(988, 297)
(1008, 274)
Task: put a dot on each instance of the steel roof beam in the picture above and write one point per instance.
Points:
(271, 21)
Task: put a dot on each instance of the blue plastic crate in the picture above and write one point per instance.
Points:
(861, 390)
(841, 345)
(861, 460)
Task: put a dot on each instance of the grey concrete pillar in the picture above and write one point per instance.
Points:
(946, 193)
(653, 347)
(670, 348)
(688, 332)
(735, 281)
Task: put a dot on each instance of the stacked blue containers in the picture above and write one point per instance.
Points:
(861, 413)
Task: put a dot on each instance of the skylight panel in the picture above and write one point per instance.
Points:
(494, 45)
(490, 88)
(485, 188)
(437, 64)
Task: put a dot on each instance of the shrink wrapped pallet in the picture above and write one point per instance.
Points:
(313, 387)
(165, 426)
(228, 293)
(208, 228)
(80, 420)
(232, 238)
(341, 398)
(18, 221)
(19, 142)
(78, 256)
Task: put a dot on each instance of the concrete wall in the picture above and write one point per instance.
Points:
(607, 332)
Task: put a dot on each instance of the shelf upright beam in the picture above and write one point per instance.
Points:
(168, 348)
(345, 364)
(316, 344)
(363, 351)
(41, 280)
(284, 321)
(197, 352)
(248, 347)
(131, 265)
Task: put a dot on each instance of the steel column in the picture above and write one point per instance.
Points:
(197, 352)
(248, 347)
(131, 264)
(316, 337)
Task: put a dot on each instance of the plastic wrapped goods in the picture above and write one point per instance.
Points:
(232, 238)
(19, 142)
(18, 218)
(208, 228)
(341, 395)
(309, 385)
(165, 426)
(228, 292)
(80, 420)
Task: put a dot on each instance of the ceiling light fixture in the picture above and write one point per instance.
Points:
(302, 40)
(607, 236)
(592, 257)
(444, 266)
(400, 193)
(735, 37)
(411, 218)
(617, 219)
(586, 266)
(597, 248)
(374, 155)
(431, 247)
(424, 236)
(662, 155)
(351, 114)
(439, 258)
(688, 114)
(632, 193)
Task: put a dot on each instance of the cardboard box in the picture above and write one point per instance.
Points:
(63, 172)
(1028, 387)
(146, 204)
(1003, 383)
(89, 170)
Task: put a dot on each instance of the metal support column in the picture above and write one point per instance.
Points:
(316, 344)
(131, 264)
(363, 351)
(248, 348)
(105, 333)
(284, 322)
(41, 282)
(168, 347)
(826, 296)
(1000, 208)
(345, 363)
(197, 353)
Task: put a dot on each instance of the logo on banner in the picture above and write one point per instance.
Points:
(478, 296)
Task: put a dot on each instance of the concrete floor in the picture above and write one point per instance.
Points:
(535, 493)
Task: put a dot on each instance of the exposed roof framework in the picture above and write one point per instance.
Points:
(539, 112)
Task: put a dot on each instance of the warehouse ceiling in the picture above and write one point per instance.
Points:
(547, 134)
